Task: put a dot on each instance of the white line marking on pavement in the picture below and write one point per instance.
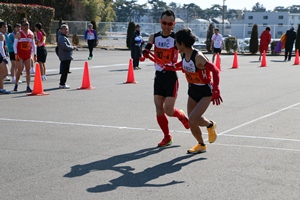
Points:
(259, 118)
(257, 147)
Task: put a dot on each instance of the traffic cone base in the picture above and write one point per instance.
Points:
(86, 83)
(264, 60)
(130, 74)
(37, 85)
(235, 61)
(296, 62)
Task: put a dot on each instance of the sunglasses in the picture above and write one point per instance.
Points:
(167, 23)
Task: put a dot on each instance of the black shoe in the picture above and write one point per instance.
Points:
(16, 87)
(28, 89)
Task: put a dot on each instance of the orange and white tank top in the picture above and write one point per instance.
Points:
(164, 48)
(194, 75)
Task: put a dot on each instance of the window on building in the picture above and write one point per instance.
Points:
(265, 17)
(280, 17)
(280, 24)
(279, 33)
(250, 24)
(250, 17)
(249, 32)
(265, 24)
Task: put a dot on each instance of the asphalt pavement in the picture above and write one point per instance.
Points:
(101, 143)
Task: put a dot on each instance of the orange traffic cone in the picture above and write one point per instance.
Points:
(37, 85)
(296, 58)
(130, 75)
(264, 60)
(235, 61)
(218, 61)
(86, 83)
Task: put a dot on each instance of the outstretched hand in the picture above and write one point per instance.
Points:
(216, 97)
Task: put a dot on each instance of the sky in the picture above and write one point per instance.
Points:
(234, 4)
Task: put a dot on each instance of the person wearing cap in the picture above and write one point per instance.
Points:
(290, 38)
(217, 43)
(90, 36)
(136, 46)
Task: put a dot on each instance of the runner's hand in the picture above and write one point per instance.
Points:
(216, 97)
(169, 67)
(17, 58)
(146, 53)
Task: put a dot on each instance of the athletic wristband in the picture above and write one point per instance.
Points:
(148, 46)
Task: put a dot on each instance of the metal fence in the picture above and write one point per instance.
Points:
(113, 34)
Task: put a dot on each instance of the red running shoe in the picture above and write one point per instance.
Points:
(165, 142)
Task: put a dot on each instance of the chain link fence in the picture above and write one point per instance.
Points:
(113, 34)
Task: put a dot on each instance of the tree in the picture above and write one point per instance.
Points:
(258, 8)
(192, 11)
(253, 46)
(297, 45)
(130, 31)
(158, 7)
(210, 32)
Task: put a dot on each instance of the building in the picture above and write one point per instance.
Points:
(199, 27)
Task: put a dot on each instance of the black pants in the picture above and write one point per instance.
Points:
(91, 45)
(65, 67)
(135, 55)
(288, 53)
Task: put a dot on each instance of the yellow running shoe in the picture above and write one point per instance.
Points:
(197, 149)
(212, 133)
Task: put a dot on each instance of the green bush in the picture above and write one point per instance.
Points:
(130, 31)
(231, 43)
(253, 47)
(13, 13)
(210, 32)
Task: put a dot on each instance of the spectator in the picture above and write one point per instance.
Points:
(217, 43)
(40, 36)
(3, 58)
(65, 54)
(136, 46)
(290, 38)
(91, 38)
(265, 39)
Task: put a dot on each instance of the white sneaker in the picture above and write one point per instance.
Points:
(64, 87)
(44, 78)
(32, 71)
(6, 78)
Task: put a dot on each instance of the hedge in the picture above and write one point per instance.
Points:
(14, 13)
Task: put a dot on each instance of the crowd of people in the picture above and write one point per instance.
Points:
(23, 47)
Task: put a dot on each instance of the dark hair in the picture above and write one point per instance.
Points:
(186, 37)
(268, 28)
(39, 26)
(17, 24)
(2, 23)
(23, 20)
(168, 12)
(136, 26)
(9, 28)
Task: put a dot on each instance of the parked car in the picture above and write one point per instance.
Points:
(199, 45)
(143, 34)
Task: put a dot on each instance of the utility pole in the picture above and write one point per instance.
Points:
(223, 17)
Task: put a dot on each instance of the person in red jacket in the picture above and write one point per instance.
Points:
(265, 39)
(203, 79)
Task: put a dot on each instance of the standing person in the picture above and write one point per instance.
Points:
(290, 38)
(201, 91)
(3, 58)
(217, 43)
(6, 46)
(91, 38)
(65, 54)
(10, 46)
(265, 39)
(136, 47)
(40, 36)
(24, 44)
(165, 82)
